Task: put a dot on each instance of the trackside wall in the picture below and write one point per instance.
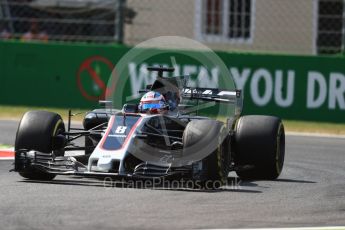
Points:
(66, 75)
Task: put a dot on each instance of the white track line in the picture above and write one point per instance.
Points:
(302, 228)
(6, 158)
(314, 135)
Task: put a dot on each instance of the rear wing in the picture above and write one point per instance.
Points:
(208, 94)
(215, 95)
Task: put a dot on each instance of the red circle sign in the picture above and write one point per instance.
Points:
(87, 66)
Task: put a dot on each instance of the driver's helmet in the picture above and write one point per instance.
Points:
(153, 102)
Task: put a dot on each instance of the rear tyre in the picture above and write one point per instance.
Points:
(35, 132)
(260, 143)
(209, 136)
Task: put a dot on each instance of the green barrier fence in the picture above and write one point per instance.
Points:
(65, 75)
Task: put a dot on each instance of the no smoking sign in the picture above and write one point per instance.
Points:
(92, 78)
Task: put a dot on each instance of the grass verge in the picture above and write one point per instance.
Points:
(314, 127)
(4, 146)
(16, 112)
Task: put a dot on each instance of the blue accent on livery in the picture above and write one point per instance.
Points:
(122, 126)
(152, 106)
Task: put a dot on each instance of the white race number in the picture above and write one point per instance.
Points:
(121, 129)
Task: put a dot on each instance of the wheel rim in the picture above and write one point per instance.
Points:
(58, 130)
(280, 151)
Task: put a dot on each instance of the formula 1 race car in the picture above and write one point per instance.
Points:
(164, 140)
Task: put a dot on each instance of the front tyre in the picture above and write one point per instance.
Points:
(35, 132)
(259, 143)
(209, 136)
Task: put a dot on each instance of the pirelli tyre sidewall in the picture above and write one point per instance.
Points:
(259, 144)
(35, 132)
(211, 136)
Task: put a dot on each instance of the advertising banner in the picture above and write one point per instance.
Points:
(76, 76)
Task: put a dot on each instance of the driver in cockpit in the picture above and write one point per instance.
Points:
(154, 102)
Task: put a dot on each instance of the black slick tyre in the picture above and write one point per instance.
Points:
(209, 136)
(35, 132)
(260, 145)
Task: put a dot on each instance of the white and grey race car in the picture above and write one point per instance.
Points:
(130, 144)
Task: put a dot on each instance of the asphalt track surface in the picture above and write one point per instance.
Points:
(310, 192)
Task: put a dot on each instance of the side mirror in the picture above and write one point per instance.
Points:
(105, 104)
(130, 108)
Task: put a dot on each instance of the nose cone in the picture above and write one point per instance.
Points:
(104, 163)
